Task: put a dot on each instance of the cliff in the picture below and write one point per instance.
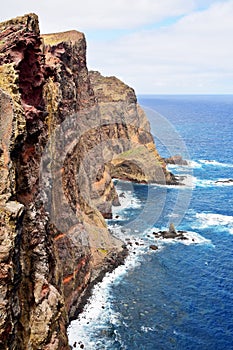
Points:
(64, 134)
(130, 150)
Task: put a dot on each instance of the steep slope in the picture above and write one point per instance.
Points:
(130, 151)
(64, 134)
(32, 306)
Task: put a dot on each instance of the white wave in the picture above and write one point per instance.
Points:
(180, 167)
(194, 238)
(203, 183)
(190, 164)
(119, 231)
(216, 183)
(173, 215)
(186, 181)
(98, 315)
(172, 166)
(223, 182)
(215, 163)
(124, 232)
(98, 312)
(190, 238)
(194, 164)
(215, 220)
(148, 329)
(189, 181)
(197, 164)
(127, 200)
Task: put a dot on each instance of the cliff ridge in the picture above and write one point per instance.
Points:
(65, 134)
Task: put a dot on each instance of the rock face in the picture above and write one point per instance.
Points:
(64, 134)
(130, 151)
(176, 160)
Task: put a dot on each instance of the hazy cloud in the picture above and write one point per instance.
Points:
(194, 54)
(96, 14)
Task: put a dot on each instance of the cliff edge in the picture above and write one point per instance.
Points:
(65, 133)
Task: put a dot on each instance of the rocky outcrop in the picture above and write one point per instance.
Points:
(130, 151)
(172, 233)
(176, 160)
(65, 134)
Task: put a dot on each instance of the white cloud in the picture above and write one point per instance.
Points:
(122, 14)
(96, 14)
(193, 55)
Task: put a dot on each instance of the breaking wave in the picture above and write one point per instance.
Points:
(215, 163)
(210, 183)
(218, 221)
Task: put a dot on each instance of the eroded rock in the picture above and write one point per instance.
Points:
(65, 133)
(176, 160)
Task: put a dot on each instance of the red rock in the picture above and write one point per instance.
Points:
(59, 149)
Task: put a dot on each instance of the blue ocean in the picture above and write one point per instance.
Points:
(179, 296)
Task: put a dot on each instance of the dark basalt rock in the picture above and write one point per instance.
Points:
(153, 247)
(172, 233)
(227, 181)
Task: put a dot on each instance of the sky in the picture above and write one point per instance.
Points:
(155, 46)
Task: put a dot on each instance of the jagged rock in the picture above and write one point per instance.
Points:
(171, 233)
(129, 148)
(172, 229)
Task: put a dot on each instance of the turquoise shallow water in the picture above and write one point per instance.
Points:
(180, 296)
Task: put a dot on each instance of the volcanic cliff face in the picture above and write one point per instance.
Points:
(130, 150)
(64, 134)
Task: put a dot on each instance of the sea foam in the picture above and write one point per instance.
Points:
(215, 220)
(221, 182)
(98, 315)
(215, 163)
(196, 164)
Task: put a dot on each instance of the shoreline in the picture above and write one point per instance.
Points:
(113, 261)
(90, 305)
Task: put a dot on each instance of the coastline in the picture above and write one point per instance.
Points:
(115, 260)
(138, 244)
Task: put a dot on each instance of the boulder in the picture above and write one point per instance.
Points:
(153, 247)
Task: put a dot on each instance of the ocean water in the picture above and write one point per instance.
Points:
(179, 296)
